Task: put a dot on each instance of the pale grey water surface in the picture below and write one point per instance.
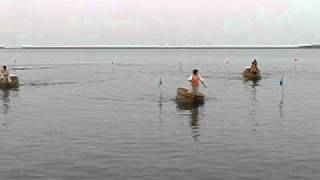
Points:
(78, 116)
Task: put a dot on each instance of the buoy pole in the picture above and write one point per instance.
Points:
(15, 65)
(295, 61)
(227, 61)
(161, 95)
(282, 85)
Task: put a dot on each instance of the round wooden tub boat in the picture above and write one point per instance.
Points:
(184, 95)
(13, 83)
(248, 75)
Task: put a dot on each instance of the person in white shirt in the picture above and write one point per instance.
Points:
(5, 73)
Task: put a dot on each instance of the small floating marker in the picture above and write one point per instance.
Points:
(112, 62)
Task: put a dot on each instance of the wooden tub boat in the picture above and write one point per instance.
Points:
(184, 95)
(248, 75)
(13, 83)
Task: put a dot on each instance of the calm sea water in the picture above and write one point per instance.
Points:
(78, 116)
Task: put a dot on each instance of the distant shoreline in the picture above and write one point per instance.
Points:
(165, 47)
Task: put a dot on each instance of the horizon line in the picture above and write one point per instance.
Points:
(161, 46)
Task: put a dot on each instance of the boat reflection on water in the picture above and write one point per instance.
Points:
(193, 108)
(252, 83)
(253, 106)
(5, 98)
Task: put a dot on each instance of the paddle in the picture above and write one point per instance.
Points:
(204, 84)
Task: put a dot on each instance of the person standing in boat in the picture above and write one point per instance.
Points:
(254, 66)
(195, 80)
(5, 73)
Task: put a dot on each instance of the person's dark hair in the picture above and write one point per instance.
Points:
(195, 71)
(4, 67)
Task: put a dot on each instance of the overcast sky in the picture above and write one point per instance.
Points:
(159, 22)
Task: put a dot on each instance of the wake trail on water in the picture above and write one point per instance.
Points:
(43, 84)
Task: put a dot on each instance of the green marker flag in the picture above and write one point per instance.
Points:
(160, 83)
(281, 81)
